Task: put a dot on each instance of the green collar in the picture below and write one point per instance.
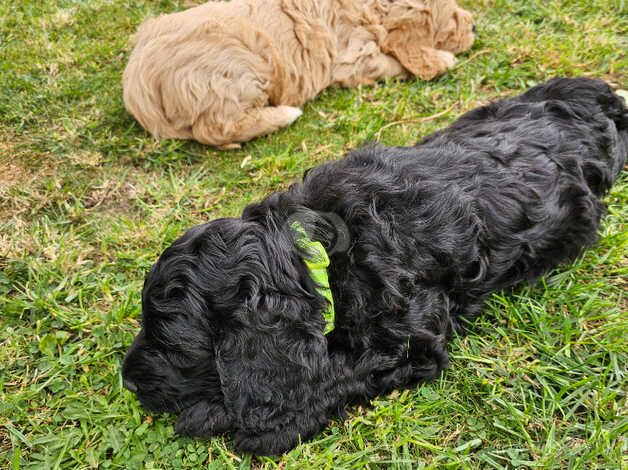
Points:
(317, 262)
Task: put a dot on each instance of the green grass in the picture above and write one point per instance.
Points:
(88, 201)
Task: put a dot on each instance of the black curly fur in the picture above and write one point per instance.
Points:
(232, 336)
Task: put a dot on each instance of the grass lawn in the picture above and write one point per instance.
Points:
(88, 201)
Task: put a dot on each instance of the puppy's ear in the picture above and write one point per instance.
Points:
(273, 367)
(410, 40)
(272, 357)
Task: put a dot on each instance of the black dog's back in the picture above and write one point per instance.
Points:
(542, 160)
(507, 192)
(580, 122)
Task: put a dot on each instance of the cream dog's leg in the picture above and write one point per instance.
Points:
(425, 62)
(370, 66)
(433, 62)
(263, 121)
(254, 123)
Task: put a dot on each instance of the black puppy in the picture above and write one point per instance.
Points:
(233, 328)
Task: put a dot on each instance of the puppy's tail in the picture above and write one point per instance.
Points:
(614, 106)
(593, 102)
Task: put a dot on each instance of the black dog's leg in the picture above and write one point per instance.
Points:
(204, 419)
(407, 347)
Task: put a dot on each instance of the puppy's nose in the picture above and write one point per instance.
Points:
(129, 385)
(473, 28)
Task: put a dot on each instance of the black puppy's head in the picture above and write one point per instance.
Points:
(187, 296)
(231, 324)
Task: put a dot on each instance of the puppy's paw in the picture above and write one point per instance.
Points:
(266, 443)
(282, 436)
(434, 62)
(447, 59)
(231, 146)
(203, 420)
(291, 113)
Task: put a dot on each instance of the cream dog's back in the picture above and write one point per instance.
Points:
(207, 74)
(226, 72)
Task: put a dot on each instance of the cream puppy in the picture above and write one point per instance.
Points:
(227, 72)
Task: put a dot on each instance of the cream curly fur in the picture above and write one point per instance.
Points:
(227, 72)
